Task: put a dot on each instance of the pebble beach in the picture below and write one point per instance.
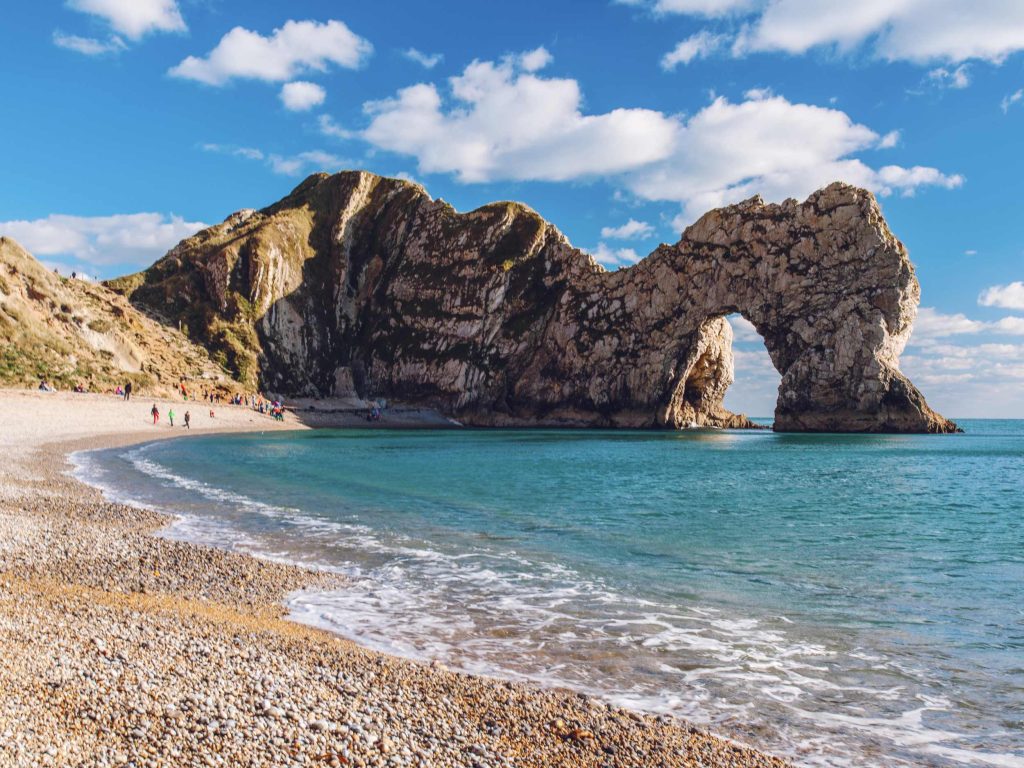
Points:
(124, 648)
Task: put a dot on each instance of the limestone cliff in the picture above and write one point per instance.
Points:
(357, 283)
(73, 332)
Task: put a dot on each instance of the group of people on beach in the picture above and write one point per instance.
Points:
(273, 408)
(257, 402)
(155, 413)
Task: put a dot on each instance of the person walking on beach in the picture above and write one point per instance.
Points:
(128, 391)
(156, 413)
(188, 418)
(170, 416)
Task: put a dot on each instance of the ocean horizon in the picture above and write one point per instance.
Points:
(836, 599)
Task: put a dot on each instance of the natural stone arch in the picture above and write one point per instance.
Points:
(825, 283)
(358, 282)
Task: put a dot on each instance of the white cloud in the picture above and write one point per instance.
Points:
(907, 30)
(134, 18)
(88, 46)
(981, 380)
(931, 324)
(297, 47)
(698, 46)
(728, 152)
(505, 122)
(743, 330)
(1009, 296)
(631, 230)
(502, 122)
(131, 238)
(330, 128)
(704, 7)
(304, 162)
(977, 378)
(890, 140)
(894, 178)
(427, 60)
(958, 77)
(300, 96)
(970, 252)
(614, 257)
(1010, 99)
(535, 60)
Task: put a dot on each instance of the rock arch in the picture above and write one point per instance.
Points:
(827, 286)
(359, 282)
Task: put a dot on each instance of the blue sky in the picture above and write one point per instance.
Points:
(131, 123)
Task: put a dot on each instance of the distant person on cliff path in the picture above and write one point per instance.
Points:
(156, 413)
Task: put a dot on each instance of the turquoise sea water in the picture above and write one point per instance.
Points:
(839, 599)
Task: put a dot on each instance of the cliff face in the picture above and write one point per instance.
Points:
(360, 284)
(73, 332)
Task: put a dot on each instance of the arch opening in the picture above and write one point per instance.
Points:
(726, 380)
(756, 381)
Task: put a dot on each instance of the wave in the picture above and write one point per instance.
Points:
(490, 610)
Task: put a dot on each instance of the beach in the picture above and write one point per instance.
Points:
(124, 648)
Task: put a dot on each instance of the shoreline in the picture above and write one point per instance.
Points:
(127, 646)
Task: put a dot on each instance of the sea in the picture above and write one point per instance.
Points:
(840, 600)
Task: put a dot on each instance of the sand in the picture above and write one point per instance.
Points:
(123, 648)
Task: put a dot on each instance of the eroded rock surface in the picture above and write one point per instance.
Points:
(357, 283)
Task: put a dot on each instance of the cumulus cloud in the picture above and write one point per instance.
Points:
(906, 30)
(300, 96)
(1009, 296)
(535, 60)
(88, 46)
(295, 48)
(498, 120)
(426, 60)
(730, 151)
(501, 120)
(614, 258)
(134, 18)
(698, 46)
(125, 239)
(631, 230)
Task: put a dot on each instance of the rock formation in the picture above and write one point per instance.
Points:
(73, 332)
(357, 283)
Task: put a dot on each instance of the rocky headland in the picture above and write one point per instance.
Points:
(356, 284)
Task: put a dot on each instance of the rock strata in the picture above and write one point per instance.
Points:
(357, 284)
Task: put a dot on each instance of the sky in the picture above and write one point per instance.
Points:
(130, 124)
